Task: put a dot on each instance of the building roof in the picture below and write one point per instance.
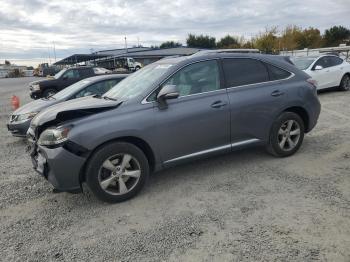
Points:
(113, 52)
(78, 58)
(138, 52)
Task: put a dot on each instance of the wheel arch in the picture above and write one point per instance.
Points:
(302, 113)
(138, 142)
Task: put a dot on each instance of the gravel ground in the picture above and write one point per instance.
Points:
(246, 206)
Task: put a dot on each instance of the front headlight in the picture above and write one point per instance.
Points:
(36, 87)
(24, 117)
(54, 136)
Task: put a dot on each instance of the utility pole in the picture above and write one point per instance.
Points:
(54, 50)
(138, 42)
(48, 49)
(126, 45)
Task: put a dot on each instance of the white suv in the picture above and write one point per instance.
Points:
(327, 70)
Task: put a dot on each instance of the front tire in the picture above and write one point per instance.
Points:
(117, 172)
(345, 83)
(286, 135)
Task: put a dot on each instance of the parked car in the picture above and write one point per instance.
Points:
(127, 63)
(98, 85)
(170, 112)
(328, 70)
(65, 77)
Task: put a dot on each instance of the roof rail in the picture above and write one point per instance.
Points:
(219, 51)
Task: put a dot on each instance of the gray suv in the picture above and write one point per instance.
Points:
(170, 112)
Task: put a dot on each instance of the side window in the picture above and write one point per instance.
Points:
(244, 71)
(72, 74)
(336, 60)
(324, 62)
(196, 78)
(277, 73)
(86, 72)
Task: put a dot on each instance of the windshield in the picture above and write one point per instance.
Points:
(60, 73)
(138, 82)
(302, 62)
(70, 90)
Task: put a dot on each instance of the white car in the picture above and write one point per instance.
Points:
(328, 70)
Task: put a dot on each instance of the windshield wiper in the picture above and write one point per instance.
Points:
(109, 98)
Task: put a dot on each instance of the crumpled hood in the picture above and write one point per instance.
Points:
(35, 106)
(74, 109)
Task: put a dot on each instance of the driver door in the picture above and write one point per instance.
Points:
(196, 123)
(322, 76)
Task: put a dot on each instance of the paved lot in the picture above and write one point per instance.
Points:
(246, 206)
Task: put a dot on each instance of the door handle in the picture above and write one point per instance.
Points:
(277, 93)
(218, 104)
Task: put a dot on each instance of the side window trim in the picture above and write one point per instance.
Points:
(221, 77)
(264, 62)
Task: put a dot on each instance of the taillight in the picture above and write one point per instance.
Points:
(313, 82)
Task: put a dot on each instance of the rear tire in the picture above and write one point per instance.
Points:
(117, 172)
(345, 83)
(286, 135)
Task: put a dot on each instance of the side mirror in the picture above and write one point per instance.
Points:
(318, 67)
(167, 92)
(65, 77)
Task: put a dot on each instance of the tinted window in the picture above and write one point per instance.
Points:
(324, 62)
(277, 73)
(72, 74)
(244, 71)
(196, 78)
(336, 60)
(86, 72)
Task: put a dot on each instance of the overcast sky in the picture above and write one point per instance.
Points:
(28, 28)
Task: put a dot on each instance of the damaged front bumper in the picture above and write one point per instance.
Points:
(18, 129)
(59, 166)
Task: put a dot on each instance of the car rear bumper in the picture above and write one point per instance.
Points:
(19, 130)
(59, 166)
(314, 113)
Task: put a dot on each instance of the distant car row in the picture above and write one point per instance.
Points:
(98, 85)
(66, 77)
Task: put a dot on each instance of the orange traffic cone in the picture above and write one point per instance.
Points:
(15, 102)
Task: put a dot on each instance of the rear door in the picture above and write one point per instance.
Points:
(337, 70)
(256, 94)
(198, 121)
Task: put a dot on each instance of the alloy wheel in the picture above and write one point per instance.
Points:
(289, 135)
(119, 174)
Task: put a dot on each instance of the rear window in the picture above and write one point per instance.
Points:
(277, 73)
(244, 71)
(336, 61)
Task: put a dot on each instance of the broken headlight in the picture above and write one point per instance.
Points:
(54, 136)
(36, 87)
(24, 117)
